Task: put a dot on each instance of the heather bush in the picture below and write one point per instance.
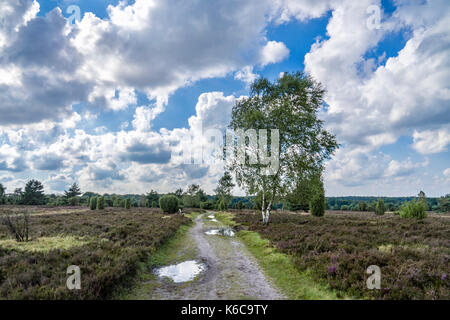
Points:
(413, 209)
(337, 249)
(117, 243)
(93, 203)
(168, 203)
(380, 208)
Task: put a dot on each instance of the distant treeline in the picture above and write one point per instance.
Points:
(355, 203)
(195, 197)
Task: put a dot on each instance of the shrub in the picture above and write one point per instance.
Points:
(101, 203)
(413, 209)
(168, 203)
(17, 225)
(93, 203)
(221, 206)
(207, 205)
(317, 204)
(74, 201)
(154, 205)
(344, 208)
(128, 203)
(380, 208)
(147, 203)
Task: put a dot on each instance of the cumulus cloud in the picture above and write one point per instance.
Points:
(156, 47)
(273, 52)
(410, 91)
(431, 141)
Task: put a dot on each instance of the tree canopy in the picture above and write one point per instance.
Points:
(74, 191)
(34, 193)
(290, 105)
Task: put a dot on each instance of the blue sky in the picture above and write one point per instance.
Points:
(102, 101)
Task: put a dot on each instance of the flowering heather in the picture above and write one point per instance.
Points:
(414, 256)
(116, 241)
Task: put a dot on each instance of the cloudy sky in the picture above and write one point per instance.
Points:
(103, 98)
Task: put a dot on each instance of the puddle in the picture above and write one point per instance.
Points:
(182, 272)
(212, 218)
(223, 232)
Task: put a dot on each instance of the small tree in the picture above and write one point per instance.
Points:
(362, 206)
(93, 203)
(317, 204)
(34, 193)
(101, 203)
(444, 203)
(168, 203)
(2, 194)
(18, 225)
(117, 203)
(73, 201)
(423, 198)
(380, 208)
(74, 191)
(128, 203)
(413, 209)
(224, 188)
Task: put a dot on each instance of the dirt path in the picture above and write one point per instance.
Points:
(232, 272)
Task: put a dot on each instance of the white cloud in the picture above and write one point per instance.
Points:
(373, 106)
(142, 118)
(446, 172)
(273, 52)
(246, 75)
(431, 141)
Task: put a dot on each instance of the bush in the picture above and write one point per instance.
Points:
(380, 208)
(101, 203)
(221, 206)
(168, 203)
(154, 205)
(413, 209)
(74, 201)
(207, 205)
(317, 204)
(93, 203)
(17, 225)
(128, 203)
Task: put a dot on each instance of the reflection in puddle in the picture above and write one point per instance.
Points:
(223, 232)
(212, 218)
(182, 272)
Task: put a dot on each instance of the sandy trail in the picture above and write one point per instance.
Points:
(232, 272)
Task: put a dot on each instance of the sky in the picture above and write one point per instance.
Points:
(107, 93)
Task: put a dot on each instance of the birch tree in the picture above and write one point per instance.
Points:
(288, 110)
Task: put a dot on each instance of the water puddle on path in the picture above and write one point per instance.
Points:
(227, 232)
(182, 272)
(212, 218)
